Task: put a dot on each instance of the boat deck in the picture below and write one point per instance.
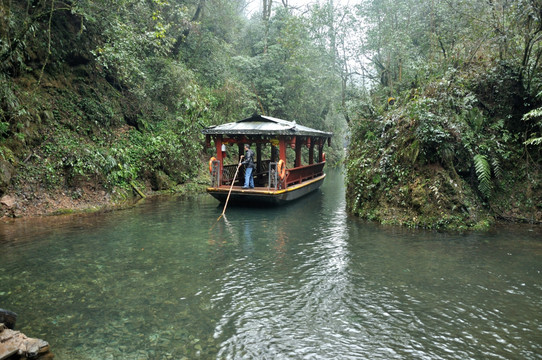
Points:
(265, 194)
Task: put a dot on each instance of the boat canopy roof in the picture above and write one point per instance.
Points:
(264, 125)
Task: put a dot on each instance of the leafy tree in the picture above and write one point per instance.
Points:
(460, 78)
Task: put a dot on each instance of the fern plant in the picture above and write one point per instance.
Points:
(497, 170)
(483, 172)
(536, 115)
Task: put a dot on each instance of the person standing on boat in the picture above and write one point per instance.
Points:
(250, 166)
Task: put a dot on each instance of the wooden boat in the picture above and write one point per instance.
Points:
(275, 140)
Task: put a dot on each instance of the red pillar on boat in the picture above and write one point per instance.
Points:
(298, 145)
(282, 149)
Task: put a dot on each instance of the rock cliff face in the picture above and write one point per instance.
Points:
(439, 160)
(433, 196)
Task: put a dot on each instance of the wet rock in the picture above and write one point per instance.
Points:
(8, 201)
(161, 181)
(33, 347)
(14, 343)
(8, 318)
(6, 350)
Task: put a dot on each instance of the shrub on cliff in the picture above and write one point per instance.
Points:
(442, 157)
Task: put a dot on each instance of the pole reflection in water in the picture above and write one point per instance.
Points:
(165, 280)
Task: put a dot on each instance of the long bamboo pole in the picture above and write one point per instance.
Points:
(231, 187)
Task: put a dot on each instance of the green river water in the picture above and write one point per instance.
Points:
(164, 280)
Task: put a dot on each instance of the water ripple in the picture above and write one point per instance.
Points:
(166, 281)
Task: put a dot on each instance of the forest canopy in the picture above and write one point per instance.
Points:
(111, 93)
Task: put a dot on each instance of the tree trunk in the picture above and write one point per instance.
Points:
(180, 39)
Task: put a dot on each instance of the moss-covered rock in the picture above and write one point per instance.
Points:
(161, 181)
(437, 161)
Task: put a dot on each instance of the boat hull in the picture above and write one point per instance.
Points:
(263, 195)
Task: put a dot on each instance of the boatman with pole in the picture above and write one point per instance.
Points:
(249, 162)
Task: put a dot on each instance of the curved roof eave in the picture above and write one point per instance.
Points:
(266, 126)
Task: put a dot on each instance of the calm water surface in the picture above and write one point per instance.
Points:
(164, 280)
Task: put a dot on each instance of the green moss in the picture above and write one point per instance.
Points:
(441, 162)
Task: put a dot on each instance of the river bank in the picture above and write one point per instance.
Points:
(28, 203)
(90, 199)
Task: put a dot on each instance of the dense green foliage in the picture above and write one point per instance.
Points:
(461, 144)
(113, 94)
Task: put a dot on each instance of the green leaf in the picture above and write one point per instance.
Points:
(483, 171)
(534, 141)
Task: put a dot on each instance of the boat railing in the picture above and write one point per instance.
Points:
(293, 176)
(303, 173)
(228, 171)
(264, 168)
